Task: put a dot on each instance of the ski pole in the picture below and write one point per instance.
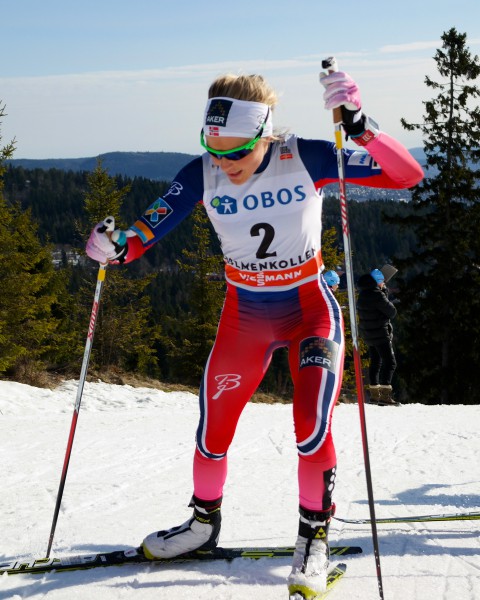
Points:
(467, 516)
(108, 225)
(331, 65)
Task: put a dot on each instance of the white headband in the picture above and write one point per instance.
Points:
(228, 117)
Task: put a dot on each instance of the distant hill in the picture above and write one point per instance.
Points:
(163, 166)
(419, 154)
(158, 166)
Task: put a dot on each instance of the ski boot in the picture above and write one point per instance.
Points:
(308, 577)
(200, 532)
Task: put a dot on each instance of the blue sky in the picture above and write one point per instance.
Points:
(83, 78)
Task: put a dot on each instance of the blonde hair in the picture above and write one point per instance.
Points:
(252, 88)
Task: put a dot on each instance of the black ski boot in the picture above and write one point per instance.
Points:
(201, 531)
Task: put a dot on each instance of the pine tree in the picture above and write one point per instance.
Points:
(441, 297)
(126, 334)
(31, 290)
(197, 327)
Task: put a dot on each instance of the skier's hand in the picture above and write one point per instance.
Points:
(107, 244)
(341, 91)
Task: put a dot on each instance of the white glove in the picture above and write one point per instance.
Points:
(340, 90)
(107, 244)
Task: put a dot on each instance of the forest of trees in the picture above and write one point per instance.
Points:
(158, 315)
(171, 274)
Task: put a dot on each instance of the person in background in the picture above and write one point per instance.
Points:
(332, 280)
(375, 312)
(263, 193)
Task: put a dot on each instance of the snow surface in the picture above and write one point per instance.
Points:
(130, 474)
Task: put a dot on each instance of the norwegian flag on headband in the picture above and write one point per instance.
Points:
(229, 117)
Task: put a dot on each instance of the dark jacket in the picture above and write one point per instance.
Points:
(374, 311)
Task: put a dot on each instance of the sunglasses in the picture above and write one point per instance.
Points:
(234, 153)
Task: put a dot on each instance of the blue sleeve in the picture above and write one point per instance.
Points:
(170, 209)
(320, 160)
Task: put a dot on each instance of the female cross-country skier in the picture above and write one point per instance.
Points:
(263, 194)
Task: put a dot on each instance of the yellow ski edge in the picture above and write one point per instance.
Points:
(306, 593)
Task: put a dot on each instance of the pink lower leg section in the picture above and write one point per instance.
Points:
(311, 482)
(208, 476)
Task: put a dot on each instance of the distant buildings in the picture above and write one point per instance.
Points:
(63, 255)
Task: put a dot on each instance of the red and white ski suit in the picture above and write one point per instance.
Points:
(270, 232)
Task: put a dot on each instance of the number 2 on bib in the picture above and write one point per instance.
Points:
(268, 235)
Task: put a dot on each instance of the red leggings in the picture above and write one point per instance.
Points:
(308, 321)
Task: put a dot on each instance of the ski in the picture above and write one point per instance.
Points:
(469, 516)
(136, 556)
(301, 592)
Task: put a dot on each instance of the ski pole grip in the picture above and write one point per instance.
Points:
(330, 64)
(108, 225)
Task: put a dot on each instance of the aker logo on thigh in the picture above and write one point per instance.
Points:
(318, 352)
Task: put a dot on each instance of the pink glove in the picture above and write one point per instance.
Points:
(105, 244)
(340, 90)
